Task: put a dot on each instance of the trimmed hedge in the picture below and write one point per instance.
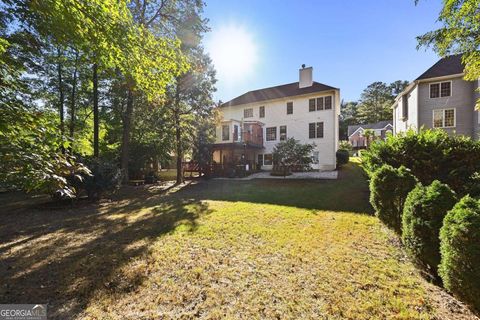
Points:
(389, 188)
(423, 214)
(460, 250)
(430, 155)
(343, 157)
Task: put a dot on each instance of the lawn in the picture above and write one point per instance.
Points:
(217, 249)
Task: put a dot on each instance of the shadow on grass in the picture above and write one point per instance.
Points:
(61, 257)
(349, 193)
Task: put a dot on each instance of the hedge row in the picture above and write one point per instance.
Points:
(429, 155)
(423, 214)
(419, 204)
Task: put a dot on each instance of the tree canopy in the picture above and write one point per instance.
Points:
(375, 105)
(94, 78)
(459, 34)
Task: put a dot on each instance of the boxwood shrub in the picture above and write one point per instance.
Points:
(430, 155)
(343, 157)
(460, 251)
(389, 188)
(423, 214)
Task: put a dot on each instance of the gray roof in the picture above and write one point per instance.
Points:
(282, 91)
(444, 67)
(378, 125)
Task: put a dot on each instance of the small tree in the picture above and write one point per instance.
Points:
(291, 153)
(368, 134)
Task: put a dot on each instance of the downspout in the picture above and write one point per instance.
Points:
(336, 114)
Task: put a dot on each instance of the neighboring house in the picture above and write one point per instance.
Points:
(380, 130)
(253, 123)
(439, 98)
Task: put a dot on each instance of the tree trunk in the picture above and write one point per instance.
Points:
(72, 101)
(61, 97)
(178, 140)
(95, 111)
(127, 121)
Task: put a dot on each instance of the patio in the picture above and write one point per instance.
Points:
(310, 175)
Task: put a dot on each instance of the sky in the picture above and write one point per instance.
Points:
(349, 43)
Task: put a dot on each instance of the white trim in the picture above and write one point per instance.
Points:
(441, 78)
(439, 89)
(355, 131)
(388, 124)
(443, 118)
(384, 128)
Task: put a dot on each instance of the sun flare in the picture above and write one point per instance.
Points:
(233, 51)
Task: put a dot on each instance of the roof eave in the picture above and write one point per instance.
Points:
(224, 105)
(449, 76)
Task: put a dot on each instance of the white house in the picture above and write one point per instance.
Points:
(253, 123)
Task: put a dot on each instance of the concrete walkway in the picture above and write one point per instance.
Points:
(313, 175)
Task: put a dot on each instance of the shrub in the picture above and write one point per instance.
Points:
(342, 157)
(106, 178)
(389, 188)
(430, 155)
(345, 145)
(291, 153)
(423, 215)
(460, 250)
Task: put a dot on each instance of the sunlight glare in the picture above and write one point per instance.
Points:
(233, 51)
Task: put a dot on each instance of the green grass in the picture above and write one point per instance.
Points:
(167, 174)
(218, 249)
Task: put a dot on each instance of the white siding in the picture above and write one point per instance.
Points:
(297, 124)
(412, 121)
